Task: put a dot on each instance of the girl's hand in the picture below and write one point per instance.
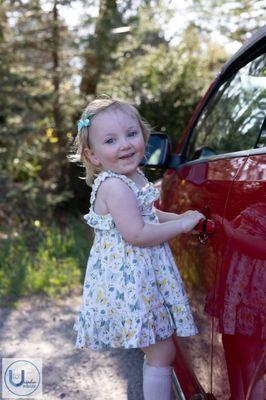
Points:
(191, 219)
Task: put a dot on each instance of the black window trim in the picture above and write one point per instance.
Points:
(262, 129)
(244, 59)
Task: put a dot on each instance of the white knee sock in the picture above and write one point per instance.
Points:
(157, 382)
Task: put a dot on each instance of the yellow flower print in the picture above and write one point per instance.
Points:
(112, 257)
(107, 245)
(172, 286)
(178, 309)
(162, 315)
(145, 300)
(164, 282)
(151, 299)
(129, 334)
(129, 252)
(100, 298)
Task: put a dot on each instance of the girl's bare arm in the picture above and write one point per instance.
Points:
(122, 205)
(164, 216)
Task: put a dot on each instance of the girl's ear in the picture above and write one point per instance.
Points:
(90, 155)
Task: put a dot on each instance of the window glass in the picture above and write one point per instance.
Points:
(233, 118)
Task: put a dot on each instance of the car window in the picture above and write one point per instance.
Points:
(232, 119)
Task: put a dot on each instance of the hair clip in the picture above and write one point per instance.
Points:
(82, 123)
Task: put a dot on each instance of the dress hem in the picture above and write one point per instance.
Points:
(96, 332)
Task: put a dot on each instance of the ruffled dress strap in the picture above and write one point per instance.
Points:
(105, 222)
(107, 174)
(148, 195)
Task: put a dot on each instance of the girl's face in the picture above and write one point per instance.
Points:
(116, 142)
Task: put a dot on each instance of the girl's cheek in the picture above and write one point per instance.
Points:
(140, 143)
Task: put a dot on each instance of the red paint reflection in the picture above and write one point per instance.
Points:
(238, 300)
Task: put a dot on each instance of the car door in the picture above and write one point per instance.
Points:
(241, 280)
(215, 154)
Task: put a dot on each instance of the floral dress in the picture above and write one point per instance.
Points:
(132, 296)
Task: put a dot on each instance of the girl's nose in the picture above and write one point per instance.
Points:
(124, 144)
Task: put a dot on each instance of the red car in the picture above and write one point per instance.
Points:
(219, 168)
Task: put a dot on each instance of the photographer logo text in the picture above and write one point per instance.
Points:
(21, 378)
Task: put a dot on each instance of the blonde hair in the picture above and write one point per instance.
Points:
(82, 141)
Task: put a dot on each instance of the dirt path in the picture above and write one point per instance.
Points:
(38, 328)
(42, 328)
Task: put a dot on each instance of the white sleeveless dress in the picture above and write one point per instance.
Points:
(132, 296)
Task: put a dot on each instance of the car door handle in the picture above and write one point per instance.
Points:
(206, 228)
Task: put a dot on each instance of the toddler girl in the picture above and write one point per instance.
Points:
(133, 295)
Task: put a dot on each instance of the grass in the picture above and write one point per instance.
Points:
(43, 259)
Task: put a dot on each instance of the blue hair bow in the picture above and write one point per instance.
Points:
(82, 123)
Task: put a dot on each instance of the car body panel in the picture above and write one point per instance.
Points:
(204, 186)
(224, 274)
(239, 301)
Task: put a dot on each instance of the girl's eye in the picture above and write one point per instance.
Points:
(132, 133)
(109, 141)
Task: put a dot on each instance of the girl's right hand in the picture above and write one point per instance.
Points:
(191, 219)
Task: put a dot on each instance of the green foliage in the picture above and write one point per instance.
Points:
(100, 46)
(43, 259)
(36, 100)
(48, 72)
(165, 82)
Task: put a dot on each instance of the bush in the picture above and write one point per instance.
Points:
(44, 259)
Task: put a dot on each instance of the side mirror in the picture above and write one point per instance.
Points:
(157, 154)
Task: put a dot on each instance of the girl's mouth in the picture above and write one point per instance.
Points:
(127, 156)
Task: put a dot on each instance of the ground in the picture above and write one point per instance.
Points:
(41, 328)
(38, 328)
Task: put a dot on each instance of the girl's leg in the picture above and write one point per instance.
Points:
(233, 367)
(157, 376)
(160, 354)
